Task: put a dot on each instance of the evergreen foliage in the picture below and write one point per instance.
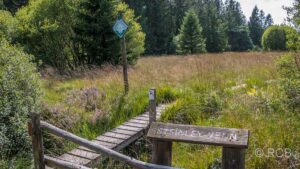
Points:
(213, 26)
(257, 25)
(158, 27)
(190, 38)
(14, 5)
(240, 39)
(238, 34)
(95, 40)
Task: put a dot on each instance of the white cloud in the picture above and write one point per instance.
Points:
(274, 7)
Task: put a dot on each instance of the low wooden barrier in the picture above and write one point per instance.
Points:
(233, 141)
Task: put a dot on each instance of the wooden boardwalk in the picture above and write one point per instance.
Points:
(116, 139)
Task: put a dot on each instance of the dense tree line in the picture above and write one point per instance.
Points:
(224, 27)
(68, 34)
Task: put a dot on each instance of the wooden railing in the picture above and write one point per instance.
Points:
(40, 159)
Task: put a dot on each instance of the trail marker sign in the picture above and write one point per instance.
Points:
(120, 28)
(227, 137)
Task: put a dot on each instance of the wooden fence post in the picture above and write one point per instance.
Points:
(233, 158)
(161, 150)
(152, 105)
(35, 131)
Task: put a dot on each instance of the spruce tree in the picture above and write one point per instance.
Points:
(237, 32)
(213, 27)
(190, 38)
(158, 27)
(257, 24)
(96, 42)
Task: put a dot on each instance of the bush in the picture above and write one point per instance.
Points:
(211, 104)
(20, 93)
(45, 30)
(289, 69)
(7, 26)
(293, 39)
(280, 38)
(166, 94)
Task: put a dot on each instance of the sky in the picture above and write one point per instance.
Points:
(274, 7)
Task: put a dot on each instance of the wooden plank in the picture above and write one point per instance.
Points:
(84, 154)
(121, 131)
(138, 121)
(142, 118)
(109, 139)
(200, 135)
(57, 163)
(105, 144)
(130, 128)
(130, 140)
(116, 135)
(143, 126)
(74, 159)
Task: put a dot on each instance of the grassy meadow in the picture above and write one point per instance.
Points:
(201, 90)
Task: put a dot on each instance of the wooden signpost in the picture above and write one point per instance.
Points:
(120, 29)
(233, 141)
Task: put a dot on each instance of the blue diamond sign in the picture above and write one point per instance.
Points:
(120, 28)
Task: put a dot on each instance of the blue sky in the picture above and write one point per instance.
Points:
(274, 7)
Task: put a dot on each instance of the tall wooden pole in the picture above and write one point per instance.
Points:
(124, 60)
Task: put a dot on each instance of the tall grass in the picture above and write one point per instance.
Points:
(201, 86)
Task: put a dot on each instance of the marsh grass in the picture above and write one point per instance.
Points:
(201, 86)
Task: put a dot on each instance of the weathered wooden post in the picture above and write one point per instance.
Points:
(161, 150)
(152, 105)
(120, 29)
(233, 158)
(35, 132)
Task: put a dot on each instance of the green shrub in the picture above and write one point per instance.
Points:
(280, 38)
(20, 93)
(289, 69)
(274, 38)
(293, 39)
(183, 111)
(166, 94)
(7, 26)
(211, 104)
(45, 30)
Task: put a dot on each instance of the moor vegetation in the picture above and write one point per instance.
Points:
(61, 58)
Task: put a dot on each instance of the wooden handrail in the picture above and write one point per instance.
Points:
(101, 149)
(55, 162)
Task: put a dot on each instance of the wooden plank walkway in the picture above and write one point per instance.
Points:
(116, 139)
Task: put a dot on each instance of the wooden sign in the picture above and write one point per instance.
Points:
(152, 94)
(225, 137)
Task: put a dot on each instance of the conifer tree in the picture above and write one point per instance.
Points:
(190, 40)
(213, 27)
(96, 42)
(257, 25)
